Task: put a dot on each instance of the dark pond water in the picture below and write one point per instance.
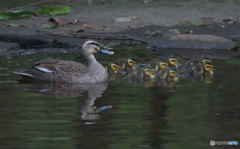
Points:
(130, 115)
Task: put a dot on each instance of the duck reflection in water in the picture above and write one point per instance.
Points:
(91, 91)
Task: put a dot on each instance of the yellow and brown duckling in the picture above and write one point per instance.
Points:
(126, 64)
(115, 71)
(173, 62)
(208, 69)
(148, 77)
(172, 78)
(195, 68)
(172, 75)
(202, 70)
(114, 68)
(207, 66)
(149, 74)
(161, 65)
(132, 63)
(208, 73)
(134, 68)
(162, 70)
(206, 61)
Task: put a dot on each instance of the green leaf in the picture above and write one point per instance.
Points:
(13, 25)
(15, 14)
(49, 26)
(55, 10)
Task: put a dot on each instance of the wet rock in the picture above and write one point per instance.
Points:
(194, 41)
(28, 41)
(8, 45)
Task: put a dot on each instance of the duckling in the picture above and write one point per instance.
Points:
(115, 71)
(172, 76)
(134, 68)
(162, 70)
(114, 68)
(208, 69)
(148, 77)
(132, 63)
(127, 65)
(195, 68)
(200, 70)
(171, 80)
(160, 65)
(206, 61)
(208, 73)
(173, 62)
(149, 74)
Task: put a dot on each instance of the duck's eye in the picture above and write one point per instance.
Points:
(94, 43)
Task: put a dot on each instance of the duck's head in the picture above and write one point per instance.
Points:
(173, 62)
(163, 65)
(115, 68)
(208, 68)
(131, 63)
(90, 47)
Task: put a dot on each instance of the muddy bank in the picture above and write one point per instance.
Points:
(211, 36)
(153, 24)
(102, 17)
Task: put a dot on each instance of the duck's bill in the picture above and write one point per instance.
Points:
(106, 51)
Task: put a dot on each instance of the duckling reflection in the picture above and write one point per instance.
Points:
(89, 111)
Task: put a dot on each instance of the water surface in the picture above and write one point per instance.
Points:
(186, 116)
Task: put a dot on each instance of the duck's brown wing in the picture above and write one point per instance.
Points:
(55, 70)
(55, 65)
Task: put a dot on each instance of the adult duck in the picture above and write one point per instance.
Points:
(69, 71)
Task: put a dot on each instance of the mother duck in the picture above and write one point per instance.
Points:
(69, 71)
